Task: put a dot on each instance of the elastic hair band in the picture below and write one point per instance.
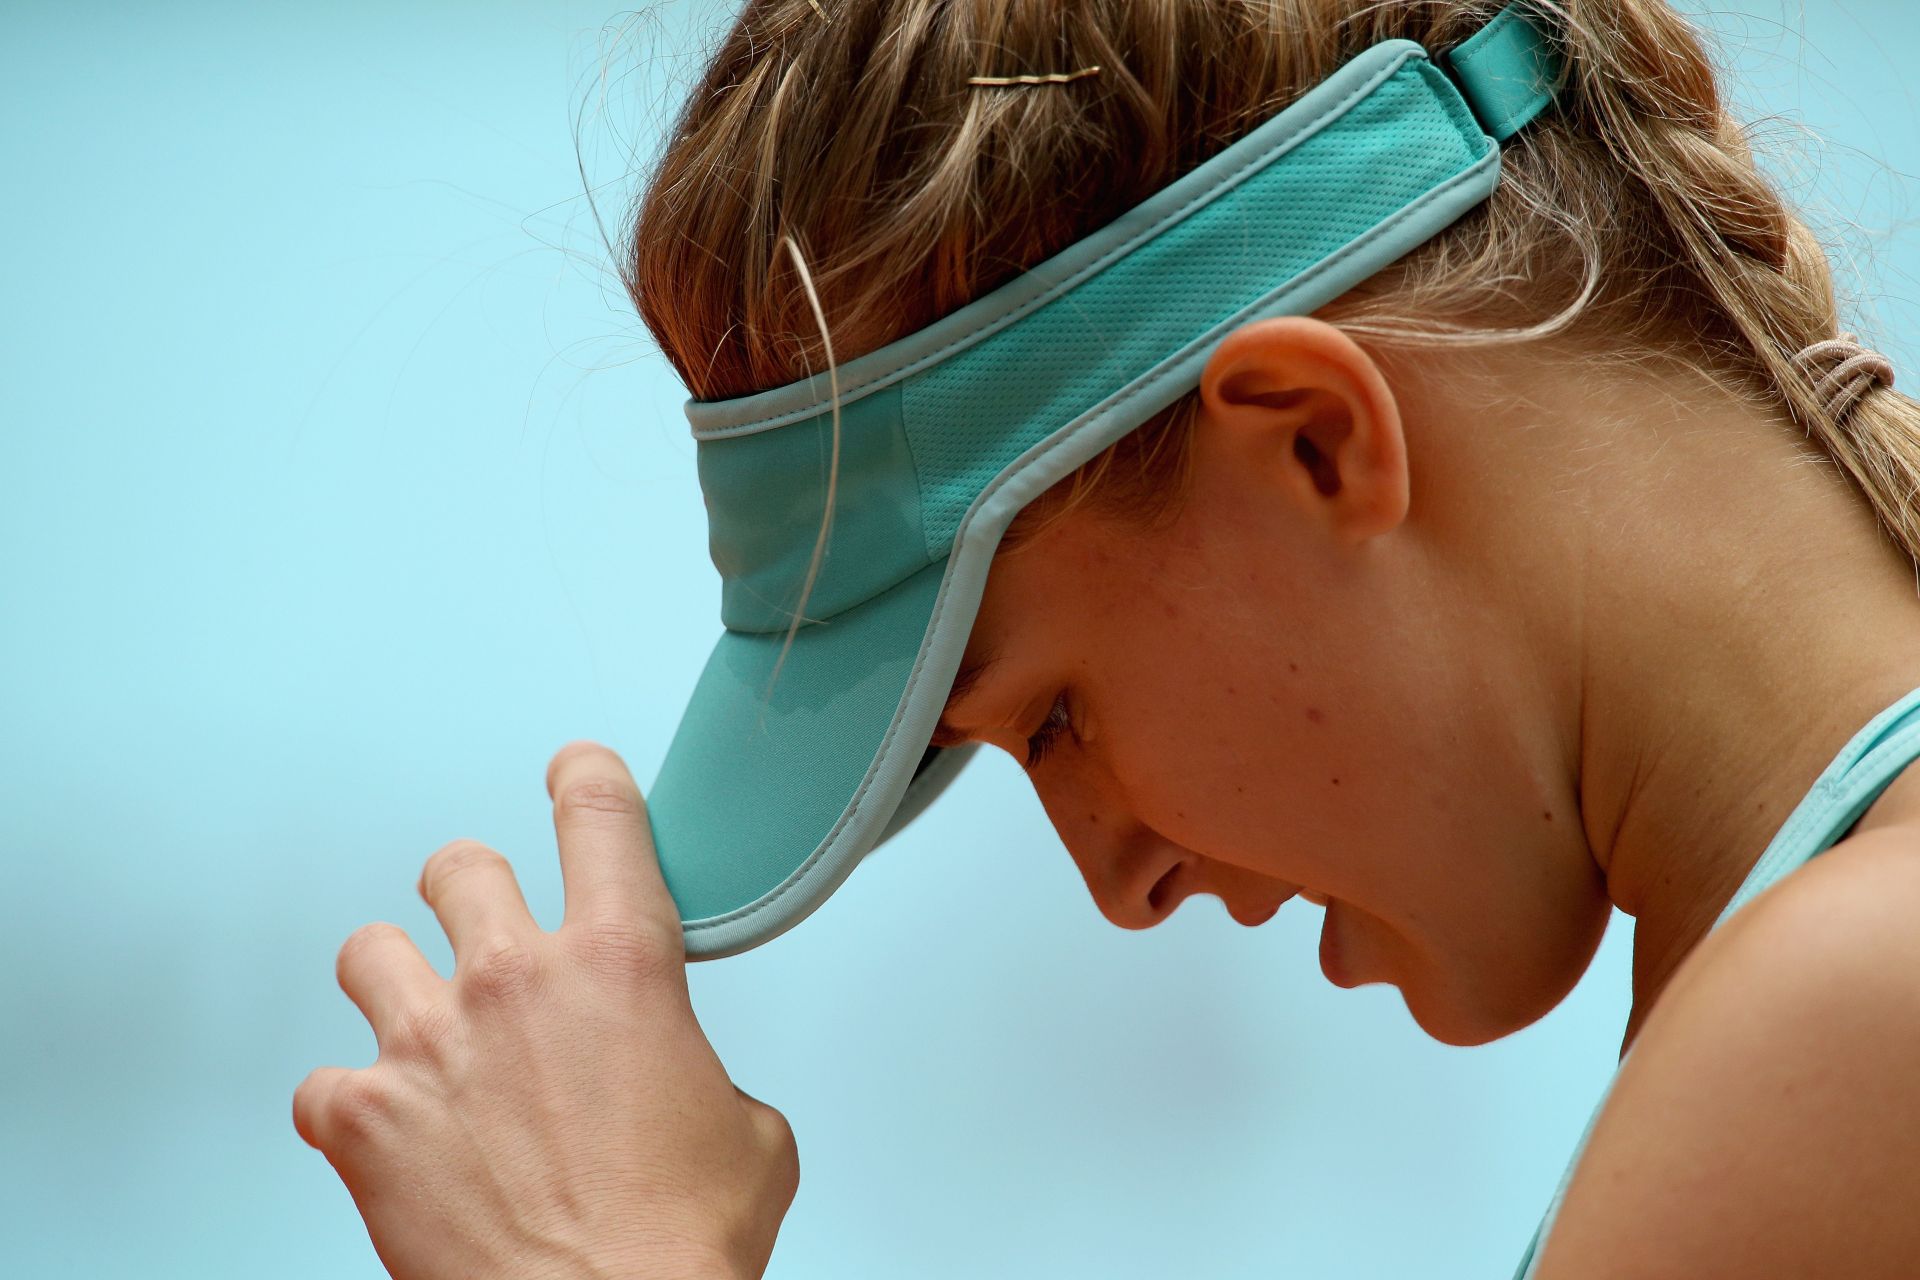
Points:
(1842, 372)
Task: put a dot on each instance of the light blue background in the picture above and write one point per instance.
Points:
(340, 485)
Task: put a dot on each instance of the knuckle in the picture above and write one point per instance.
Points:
(597, 798)
(457, 856)
(782, 1151)
(368, 937)
(628, 950)
(362, 1106)
(503, 970)
(307, 1097)
(776, 1131)
(424, 1031)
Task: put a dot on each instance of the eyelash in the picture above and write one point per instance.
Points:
(1056, 723)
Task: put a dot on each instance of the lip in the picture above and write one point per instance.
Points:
(1332, 962)
(1264, 916)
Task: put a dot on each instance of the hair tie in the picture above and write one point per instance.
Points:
(1842, 371)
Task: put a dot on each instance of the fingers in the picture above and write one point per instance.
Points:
(607, 860)
(475, 896)
(313, 1105)
(383, 973)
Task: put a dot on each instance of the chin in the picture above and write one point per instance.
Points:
(1453, 1030)
(1463, 1024)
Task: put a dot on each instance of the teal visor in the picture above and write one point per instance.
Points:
(767, 799)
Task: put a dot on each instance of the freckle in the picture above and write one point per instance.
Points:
(1172, 612)
(1093, 817)
(1293, 666)
(1241, 790)
(1231, 691)
(1179, 813)
(1336, 782)
(1547, 814)
(1316, 715)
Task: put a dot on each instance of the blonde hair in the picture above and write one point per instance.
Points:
(1631, 216)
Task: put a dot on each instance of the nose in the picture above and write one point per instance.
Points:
(1137, 876)
(1131, 870)
(1141, 879)
(1141, 891)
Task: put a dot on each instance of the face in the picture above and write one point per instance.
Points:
(1290, 691)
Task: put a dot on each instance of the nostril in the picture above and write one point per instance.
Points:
(1157, 896)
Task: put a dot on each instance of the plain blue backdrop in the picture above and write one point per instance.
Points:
(340, 485)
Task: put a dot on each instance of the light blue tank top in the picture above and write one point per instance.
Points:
(1865, 767)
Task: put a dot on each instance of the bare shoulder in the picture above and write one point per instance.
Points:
(1767, 1121)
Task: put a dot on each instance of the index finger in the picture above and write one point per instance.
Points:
(608, 866)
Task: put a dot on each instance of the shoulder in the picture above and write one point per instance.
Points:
(1767, 1121)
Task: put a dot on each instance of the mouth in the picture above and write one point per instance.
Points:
(1249, 914)
(1332, 963)
(1258, 916)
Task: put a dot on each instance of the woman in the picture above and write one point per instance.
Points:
(1401, 454)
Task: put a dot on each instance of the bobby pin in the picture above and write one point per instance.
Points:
(1051, 77)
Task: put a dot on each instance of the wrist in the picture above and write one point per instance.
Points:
(656, 1260)
(679, 1262)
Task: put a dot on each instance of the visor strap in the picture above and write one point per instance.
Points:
(1508, 71)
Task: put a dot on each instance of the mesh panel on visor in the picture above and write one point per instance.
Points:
(1331, 189)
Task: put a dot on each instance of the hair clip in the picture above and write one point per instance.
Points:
(1051, 77)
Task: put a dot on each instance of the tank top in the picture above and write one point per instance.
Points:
(1865, 767)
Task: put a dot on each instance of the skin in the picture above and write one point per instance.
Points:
(554, 1109)
(1505, 664)
(1471, 648)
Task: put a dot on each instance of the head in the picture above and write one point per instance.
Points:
(1297, 634)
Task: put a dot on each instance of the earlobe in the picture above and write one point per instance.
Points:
(1305, 404)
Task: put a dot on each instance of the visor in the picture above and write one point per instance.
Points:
(770, 795)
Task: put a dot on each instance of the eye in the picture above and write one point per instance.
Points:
(1056, 723)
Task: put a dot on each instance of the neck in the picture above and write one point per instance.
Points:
(1733, 640)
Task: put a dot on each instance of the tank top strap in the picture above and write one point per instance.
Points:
(1844, 791)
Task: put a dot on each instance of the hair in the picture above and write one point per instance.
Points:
(1631, 216)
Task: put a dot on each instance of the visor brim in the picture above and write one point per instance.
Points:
(767, 800)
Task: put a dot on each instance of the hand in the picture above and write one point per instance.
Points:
(554, 1110)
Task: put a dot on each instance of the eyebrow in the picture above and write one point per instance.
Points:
(944, 734)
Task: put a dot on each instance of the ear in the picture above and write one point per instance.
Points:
(1298, 400)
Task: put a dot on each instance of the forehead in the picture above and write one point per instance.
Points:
(970, 674)
(1060, 564)
(944, 734)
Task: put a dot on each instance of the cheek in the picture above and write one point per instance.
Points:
(1223, 755)
(1319, 743)
(1251, 752)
